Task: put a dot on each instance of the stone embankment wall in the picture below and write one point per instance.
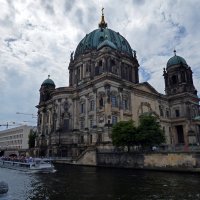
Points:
(87, 158)
(160, 161)
(183, 161)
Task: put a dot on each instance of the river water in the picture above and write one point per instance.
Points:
(90, 183)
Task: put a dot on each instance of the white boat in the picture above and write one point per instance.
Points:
(40, 165)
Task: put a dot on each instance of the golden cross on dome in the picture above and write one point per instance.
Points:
(102, 11)
(102, 23)
(175, 52)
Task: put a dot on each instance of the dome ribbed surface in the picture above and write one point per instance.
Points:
(106, 37)
(48, 82)
(176, 60)
(106, 43)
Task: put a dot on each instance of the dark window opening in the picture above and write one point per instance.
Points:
(101, 102)
(167, 113)
(82, 139)
(66, 125)
(177, 113)
(183, 76)
(90, 139)
(180, 135)
(174, 79)
(161, 111)
(97, 70)
(100, 64)
(82, 108)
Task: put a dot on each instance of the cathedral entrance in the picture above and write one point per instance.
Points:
(180, 135)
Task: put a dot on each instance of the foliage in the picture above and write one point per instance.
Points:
(123, 134)
(147, 134)
(31, 139)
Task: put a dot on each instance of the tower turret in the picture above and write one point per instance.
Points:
(46, 89)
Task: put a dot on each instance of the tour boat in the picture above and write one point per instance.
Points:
(40, 165)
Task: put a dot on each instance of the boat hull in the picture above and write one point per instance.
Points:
(28, 167)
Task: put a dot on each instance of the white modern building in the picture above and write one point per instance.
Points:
(15, 138)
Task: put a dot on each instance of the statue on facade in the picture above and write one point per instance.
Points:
(71, 56)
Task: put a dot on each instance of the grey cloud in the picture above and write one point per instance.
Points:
(9, 41)
(48, 6)
(138, 2)
(79, 16)
(38, 62)
(91, 15)
(68, 5)
(7, 21)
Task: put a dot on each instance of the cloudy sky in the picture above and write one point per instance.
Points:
(37, 36)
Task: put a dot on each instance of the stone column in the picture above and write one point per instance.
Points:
(83, 70)
(86, 111)
(42, 122)
(75, 113)
(96, 104)
(107, 101)
(120, 90)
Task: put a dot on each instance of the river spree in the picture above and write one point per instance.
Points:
(81, 183)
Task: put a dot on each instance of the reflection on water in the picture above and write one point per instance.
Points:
(75, 182)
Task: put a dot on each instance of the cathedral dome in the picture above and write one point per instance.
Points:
(176, 60)
(48, 82)
(101, 37)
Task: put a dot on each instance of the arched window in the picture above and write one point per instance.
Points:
(174, 79)
(114, 68)
(82, 108)
(125, 104)
(114, 119)
(101, 102)
(161, 111)
(100, 67)
(92, 105)
(114, 101)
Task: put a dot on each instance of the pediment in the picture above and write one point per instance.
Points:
(146, 87)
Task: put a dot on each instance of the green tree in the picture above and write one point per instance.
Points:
(31, 139)
(149, 132)
(124, 134)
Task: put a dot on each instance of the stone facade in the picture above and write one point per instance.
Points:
(103, 89)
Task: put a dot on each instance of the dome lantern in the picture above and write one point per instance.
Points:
(48, 81)
(176, 60)
(102, 23)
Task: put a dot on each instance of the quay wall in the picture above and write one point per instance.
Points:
(173, 161)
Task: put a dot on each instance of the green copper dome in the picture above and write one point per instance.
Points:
(176, 60)
(103, 37)
(48, 82)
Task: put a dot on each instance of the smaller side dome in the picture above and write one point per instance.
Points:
(176, 60)
(48, 82)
